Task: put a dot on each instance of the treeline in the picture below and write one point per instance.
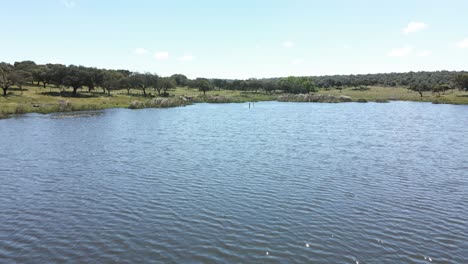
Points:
(78, 77)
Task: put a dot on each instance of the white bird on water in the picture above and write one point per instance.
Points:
(307, 245)
(267, 253)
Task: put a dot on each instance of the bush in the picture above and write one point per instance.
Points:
(136, 105)
(158, 103)
(318, 98)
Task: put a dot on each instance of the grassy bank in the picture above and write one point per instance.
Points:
(381, 94)
(39, 100)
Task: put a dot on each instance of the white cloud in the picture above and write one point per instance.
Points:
(69, 3)
(297, 61)
(140, 51)
(401, 52)
(288, 44)
(463, 44)
(186, 58)
(424, 53)
(414, 26)
(161, 55)
(346, 46)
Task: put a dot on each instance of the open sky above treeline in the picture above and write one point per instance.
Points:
(239, 39)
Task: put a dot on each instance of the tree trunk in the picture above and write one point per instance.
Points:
(204, 92)
(74, 91)
(144, 92)
(44, 85)
(128, 91)
(5, 91)
(420, 93)
(38, 83)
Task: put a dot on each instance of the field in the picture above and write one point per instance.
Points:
(40, 100)
(401, 94)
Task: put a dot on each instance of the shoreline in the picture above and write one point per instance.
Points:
(33, 99)
(163, 102)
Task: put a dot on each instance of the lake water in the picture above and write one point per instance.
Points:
(222, 183)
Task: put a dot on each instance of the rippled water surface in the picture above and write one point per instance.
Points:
(222, 183)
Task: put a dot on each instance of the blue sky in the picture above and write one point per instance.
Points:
(239, 39)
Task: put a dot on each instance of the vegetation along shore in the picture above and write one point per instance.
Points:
(30, 87)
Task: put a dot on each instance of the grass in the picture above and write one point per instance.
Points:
(383, 94)
(39, 100)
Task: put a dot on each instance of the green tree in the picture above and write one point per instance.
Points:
(270, 86)
(219, 83)
(440, 88)
(26, 66)
(165, 84)
(114, 80)
(6, 80)
(56, 73)
(75, 77)
(20, 77)
(203, 85)
(419, 87)
(144, 81)
(461, 81)
(93, 78)
(180, 79)
(41, 74)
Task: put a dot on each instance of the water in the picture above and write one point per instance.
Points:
(222, 183)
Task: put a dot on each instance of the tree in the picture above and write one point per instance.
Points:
(339, 85)
(6, 81)
(254, 84)
(124, 82)
(437, 89)
(75, 78)
(26, 66)
(41, 74)
(461, 81)
(180, 79)
(219, 83)
(286, 85)
(144, 81)
(203, 85)
(165, 84)
(20, 77)
(309, 86)
(419, 87)
(56, 73)
(270, 86)
(114, 80)
(92, 78)
(295, 84)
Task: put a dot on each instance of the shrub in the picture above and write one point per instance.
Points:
(136, 105)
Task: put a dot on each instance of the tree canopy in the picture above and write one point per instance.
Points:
(77, 77)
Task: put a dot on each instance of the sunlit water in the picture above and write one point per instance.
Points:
(222, 183)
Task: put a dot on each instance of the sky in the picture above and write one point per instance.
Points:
(239, 39)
